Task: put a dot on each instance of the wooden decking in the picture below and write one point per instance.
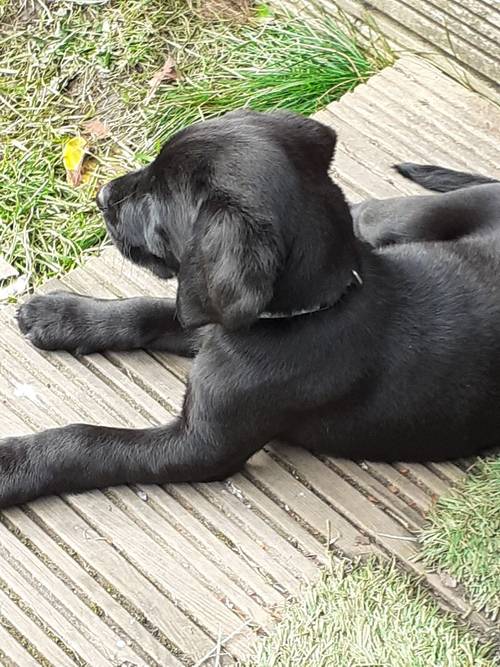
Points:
(461, 37)
(162, 575)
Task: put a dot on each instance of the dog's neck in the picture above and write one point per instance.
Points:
(356, 281)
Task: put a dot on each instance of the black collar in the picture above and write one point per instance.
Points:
(356, 280)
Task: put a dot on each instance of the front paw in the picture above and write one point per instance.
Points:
(56, 321)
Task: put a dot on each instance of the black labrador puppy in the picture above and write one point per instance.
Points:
(302, 331)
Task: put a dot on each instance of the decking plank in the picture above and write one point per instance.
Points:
(394, 94)
(394, 539)
(33, 577)
(392, 117)
(59, 622)
(77, 578)
(414, 493)
(117, 575)
(215, 546)
(173, 577)
(175, 543)
(20, 624)
(298, 499)
(442, 125)
(12, 653)
(370, 486)
(473, 111)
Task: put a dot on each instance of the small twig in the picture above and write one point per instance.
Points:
(92, 539)
(398, 537)
(220, 643)
(217, 653)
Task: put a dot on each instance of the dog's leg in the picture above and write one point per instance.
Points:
(80, 457)
(80, 324)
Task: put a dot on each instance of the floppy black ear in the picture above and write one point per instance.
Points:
(228, 271)
(308, 142)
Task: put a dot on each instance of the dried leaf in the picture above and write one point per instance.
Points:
(167, 73)
(96, 128)
(73, 155)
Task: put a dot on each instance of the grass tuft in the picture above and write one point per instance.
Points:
(462, 537)
(372, 616)
(65, 62)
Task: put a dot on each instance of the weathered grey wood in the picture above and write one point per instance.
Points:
(471, 110)
(12, 653)
(120, 577)
(461, 38)
(73, 633)
(395, 539)
(370, 486)
(297, 498)
(443, 124)
(215, 546)
(415, 495)
(174, 542)
(424, 477)
(29, 632)
(244, 537)
(171, 568)
(90, 634)
(78, 578)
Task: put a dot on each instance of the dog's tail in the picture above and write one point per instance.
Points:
(440, 179)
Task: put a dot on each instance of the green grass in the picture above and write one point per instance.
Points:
(372, 616)
(64, 63)
(463, 536)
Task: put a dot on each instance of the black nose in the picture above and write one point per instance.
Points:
(102, 198)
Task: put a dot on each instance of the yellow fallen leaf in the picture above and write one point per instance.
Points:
(73, 155)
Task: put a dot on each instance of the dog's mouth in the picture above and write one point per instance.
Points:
(151, 262)
(164, 268)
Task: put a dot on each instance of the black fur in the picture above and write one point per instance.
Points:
(440, 179)
(404, 366)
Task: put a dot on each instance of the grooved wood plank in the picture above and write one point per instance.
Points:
(174, 542)
(385, 495)
(472, 111)
(247, 538)
(171, 576)
(12, 653)
(78, 578)
(193, 590)
(214, 545)
(128, 585)
(462, 46)
(409, 489)
(366, 150)
(296, 497)
(33, 571)
(21, 623)
(395, 539)
(60, 621)
(443, 124)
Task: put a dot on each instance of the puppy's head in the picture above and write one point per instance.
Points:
(242, 209)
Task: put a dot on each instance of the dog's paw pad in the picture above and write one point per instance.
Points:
(48, 321)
